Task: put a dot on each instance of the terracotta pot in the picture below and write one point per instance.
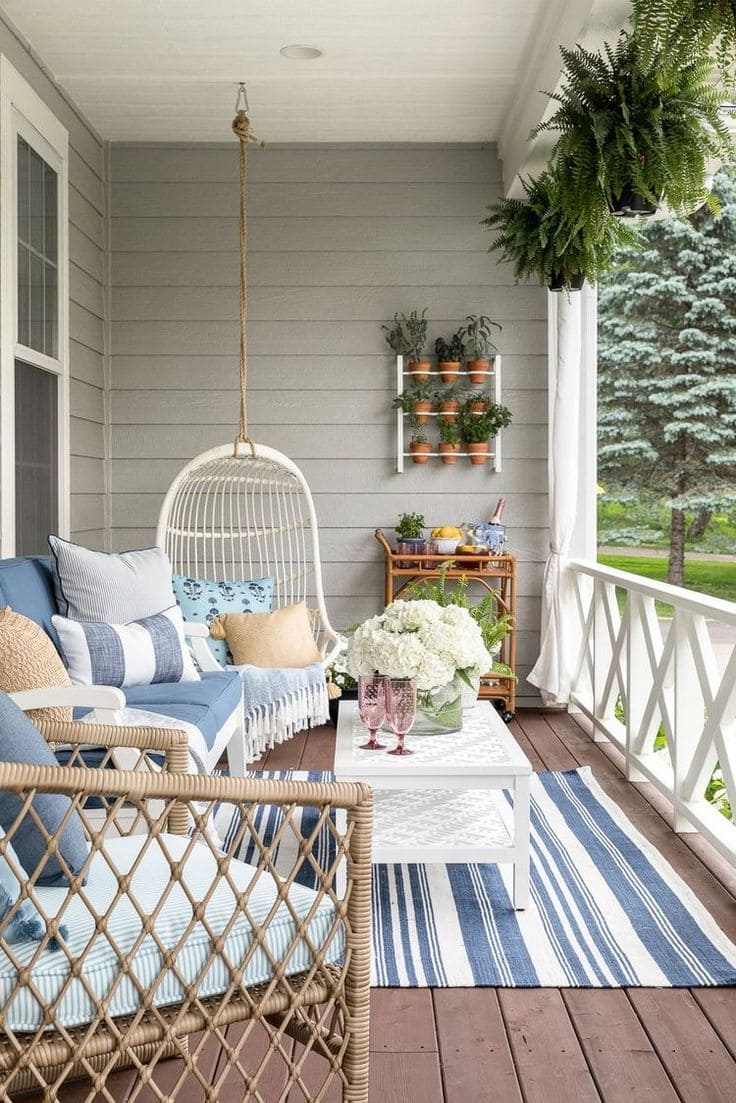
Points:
(419, 370)
(478, 452)
(479, 407)
(449, 452)
(422, 411)
(449, 370)
(420, 452)
(478, 370)
(450, 408)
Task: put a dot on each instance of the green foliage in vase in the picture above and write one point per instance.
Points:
(418, 392)
(476, 337)
(408, 334)
(667, 367)
(449, 430)
(545, 239)
(628, 124)
(410, 526)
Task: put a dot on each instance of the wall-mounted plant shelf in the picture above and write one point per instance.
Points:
(493, 376)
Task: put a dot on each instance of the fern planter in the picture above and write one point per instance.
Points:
(558, 282)
(630, 205)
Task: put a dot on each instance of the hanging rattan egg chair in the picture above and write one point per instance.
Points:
(245, 511)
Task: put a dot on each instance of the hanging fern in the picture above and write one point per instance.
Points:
(674, 30)
(627, 124)
(542, 239)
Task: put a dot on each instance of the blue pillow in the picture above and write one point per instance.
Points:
(202, 601)
(26, 925)
(21, 741)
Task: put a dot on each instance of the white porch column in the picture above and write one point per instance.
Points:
(572, 473)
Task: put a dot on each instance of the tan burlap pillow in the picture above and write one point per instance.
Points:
(276, 640)
(29, 660)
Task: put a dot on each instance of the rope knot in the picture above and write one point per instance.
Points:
(241, 127)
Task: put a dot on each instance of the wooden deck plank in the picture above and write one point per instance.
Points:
(549, 1060)
(621, 1057)
(402, 1020)
(475, 1054)
(272, 1080)
(719, 1006)
(406, 1078)
(689, 1048)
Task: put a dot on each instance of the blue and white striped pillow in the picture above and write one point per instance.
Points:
(141, 653)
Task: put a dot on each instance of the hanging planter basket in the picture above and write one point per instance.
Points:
(631, 205)
(574, 283)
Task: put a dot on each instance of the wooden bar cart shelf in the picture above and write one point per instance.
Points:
(496, 573)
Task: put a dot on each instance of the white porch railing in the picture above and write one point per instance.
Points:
(645, 680)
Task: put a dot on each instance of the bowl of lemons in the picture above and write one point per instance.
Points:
(446, 539)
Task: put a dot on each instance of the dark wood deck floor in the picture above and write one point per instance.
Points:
(547, 1045)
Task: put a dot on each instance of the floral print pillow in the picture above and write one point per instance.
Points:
(201, 601)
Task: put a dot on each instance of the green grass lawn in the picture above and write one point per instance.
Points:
(706, 575)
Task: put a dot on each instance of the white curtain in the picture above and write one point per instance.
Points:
(555, 668)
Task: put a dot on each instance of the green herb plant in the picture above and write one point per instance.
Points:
(408, 334)
(410, 525)
(477, 337)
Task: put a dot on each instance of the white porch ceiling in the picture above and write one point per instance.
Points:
(392, 70)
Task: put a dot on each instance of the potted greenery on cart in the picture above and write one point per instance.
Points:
(408, 338)
(477, 340)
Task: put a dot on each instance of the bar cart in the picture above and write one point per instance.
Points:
(496, 573)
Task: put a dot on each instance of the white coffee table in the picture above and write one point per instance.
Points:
(439, 804)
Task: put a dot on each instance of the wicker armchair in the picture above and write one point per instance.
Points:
(164, 940)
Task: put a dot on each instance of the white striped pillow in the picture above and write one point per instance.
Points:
(114, 587)
(141, 653)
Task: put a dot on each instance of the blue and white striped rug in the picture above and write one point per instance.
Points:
(606, 908)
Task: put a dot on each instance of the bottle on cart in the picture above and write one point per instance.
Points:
(498, 512)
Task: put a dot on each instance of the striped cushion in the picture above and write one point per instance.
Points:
(101, 968)
(113, 588)
(143, 653)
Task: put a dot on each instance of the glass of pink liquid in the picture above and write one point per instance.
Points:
(401, 710)
(372, 707)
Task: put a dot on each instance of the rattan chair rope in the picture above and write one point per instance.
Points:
(246, 510)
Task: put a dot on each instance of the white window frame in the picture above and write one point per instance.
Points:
(23, 112)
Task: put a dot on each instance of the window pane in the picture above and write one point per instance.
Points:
(36, 458)
(38, 251)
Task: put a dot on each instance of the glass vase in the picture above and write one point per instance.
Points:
(440, 710)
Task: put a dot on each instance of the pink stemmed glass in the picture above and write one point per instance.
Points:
(401, 710)
(372, 707)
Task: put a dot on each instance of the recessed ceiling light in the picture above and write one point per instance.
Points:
(300, 53)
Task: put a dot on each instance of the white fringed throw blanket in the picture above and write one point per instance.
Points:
(280, 703)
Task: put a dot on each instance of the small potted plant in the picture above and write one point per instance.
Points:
(408, 338)
(476, 336)
(417, 401)
(449, 439)
(476, 429)
(450, 355)
(447, 402)
(419, 446)
(478, 402)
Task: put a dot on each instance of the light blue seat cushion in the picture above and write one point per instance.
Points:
(208, 703)
(21, 741)
(202, 601)
(102, 965)
(26, 923)
(27, 586)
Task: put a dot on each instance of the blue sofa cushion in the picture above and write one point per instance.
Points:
(21, 741)
(27, 586)
(207, 704)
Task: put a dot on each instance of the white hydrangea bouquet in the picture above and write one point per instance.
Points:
(442, 648)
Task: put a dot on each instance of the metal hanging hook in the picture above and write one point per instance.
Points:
(241, 102)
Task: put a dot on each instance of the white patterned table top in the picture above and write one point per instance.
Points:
(483, 748)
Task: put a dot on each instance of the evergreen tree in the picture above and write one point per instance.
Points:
(667, 366)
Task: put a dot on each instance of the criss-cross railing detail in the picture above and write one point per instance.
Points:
(653, 682)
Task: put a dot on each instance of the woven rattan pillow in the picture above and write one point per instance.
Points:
(275, 640)
(29, 660)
